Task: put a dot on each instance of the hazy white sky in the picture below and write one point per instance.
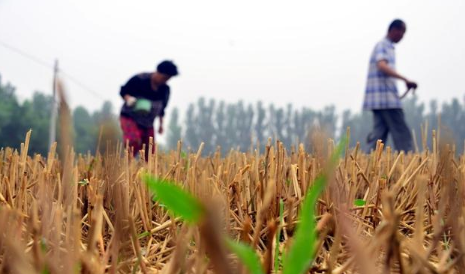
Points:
(309, 53)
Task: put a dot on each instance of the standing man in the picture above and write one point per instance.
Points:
(145, 98)
(381, 95)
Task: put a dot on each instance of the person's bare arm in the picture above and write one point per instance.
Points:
(160, 128)
(384, 67)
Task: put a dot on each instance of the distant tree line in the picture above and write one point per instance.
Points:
(219, 124)
(239, 125)
(16, 118)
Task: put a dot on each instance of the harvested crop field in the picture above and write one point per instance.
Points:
(382, 212)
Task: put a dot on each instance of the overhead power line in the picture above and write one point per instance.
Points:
(27, 55)
(45, 64)
(81, 85)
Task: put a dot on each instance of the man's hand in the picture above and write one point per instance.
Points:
(411, 84)
(130, 101)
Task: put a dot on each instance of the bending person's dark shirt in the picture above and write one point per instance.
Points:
(139, 87)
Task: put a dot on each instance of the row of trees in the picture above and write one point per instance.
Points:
(219, 124)
(16, 118)
(240, 125)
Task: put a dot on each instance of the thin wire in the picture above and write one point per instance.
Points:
(27, 55)
(49, 66)
(81, 85)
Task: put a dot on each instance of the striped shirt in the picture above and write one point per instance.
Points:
(381, 90)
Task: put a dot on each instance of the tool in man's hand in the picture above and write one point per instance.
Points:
(410, 86)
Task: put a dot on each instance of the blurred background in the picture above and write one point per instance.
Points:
(249, 69)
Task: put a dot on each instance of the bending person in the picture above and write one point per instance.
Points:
(145, 98)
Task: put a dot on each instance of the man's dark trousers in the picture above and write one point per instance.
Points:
(390, 120)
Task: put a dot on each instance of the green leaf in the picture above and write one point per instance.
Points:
(337, 153)
(246, 255)
(77, 268)
(43, 245)
(302, 252)
(178, 201)
(278, 235)
(360, 202)
(143, 234)
(84, 182)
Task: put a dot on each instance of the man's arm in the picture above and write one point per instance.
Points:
(384, 67)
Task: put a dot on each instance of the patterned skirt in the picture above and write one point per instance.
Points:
(136, 136)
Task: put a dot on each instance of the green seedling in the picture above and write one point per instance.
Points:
(246, 255)
(277, 258)
(143, 234)
(360, 202)
(178, 201)
(302, 251)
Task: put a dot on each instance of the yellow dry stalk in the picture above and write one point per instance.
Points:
(95, 214)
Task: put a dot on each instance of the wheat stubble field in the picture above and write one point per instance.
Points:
(382, 212)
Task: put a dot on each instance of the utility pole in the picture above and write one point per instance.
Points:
(53, 114)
